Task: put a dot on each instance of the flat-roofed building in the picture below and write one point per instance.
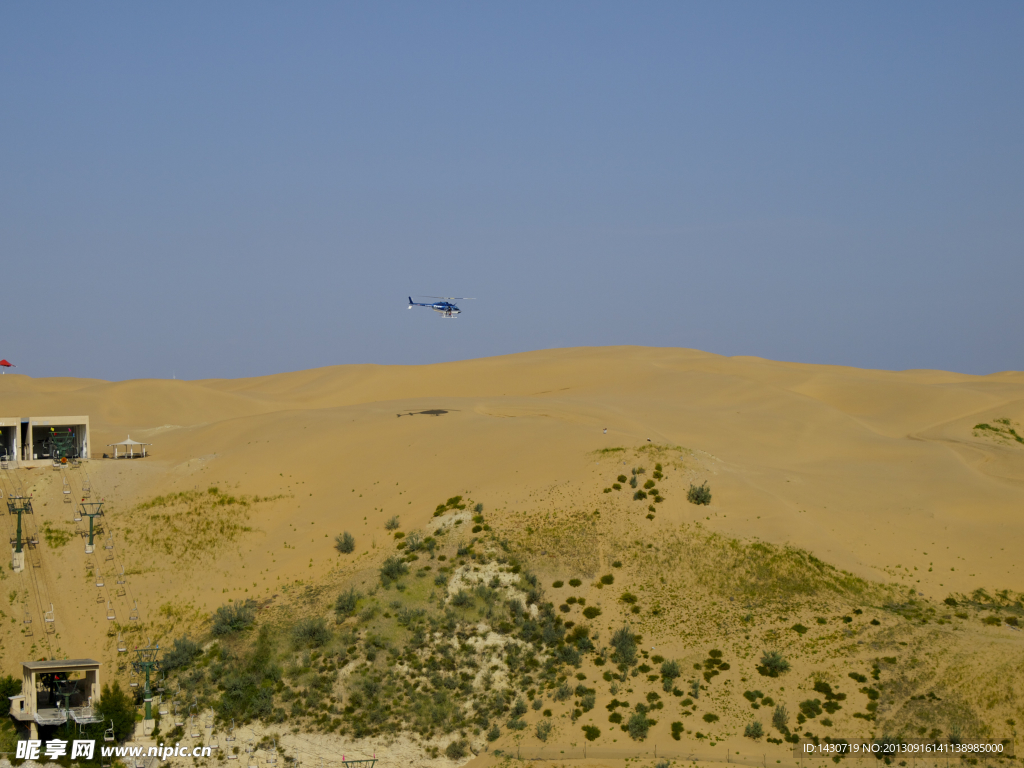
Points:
(46, 686)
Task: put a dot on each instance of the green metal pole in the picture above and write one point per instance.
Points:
(18, 545)
(90, 530)
(148, 697)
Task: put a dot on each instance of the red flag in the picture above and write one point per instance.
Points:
(6, 364)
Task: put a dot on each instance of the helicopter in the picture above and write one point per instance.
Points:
(444, 306)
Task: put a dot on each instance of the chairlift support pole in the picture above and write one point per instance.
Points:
(146, 661)
(97, 506)
(19, 507)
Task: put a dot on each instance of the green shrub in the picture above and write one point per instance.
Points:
(181, 654)
(773, 664)
(754, 730)
(544, 729)
(799, 629)
(591, 611)
(699, 494)
(461, 599)
(234, 617)
(9, 686)
(516, 724)
(591, 732)
(639, 496)
(709, 717)
(638, 726)
(622, 478)
(118, 706)
(457, 749)
(575, 582)
(557, 585)
(563, 692)
(677, 730)
(393, 569)
(345, 543)
(519, 708)
(624, 643)
(478, 508)
(607, 579)
(346, 603)
(392, 523)
(311, 632)
(780, 718)
(628, 597)
(494, 733)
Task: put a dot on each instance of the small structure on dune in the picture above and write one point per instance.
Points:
(130, 449)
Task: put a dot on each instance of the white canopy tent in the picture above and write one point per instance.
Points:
(129, 446)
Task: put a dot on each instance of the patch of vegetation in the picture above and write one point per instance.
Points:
(182, 653)
(591, 732)
(234, 617)
(455, 502)
(773, 664)
(754, 730)
(345, 543)
(55, 537)
(1000, 428)
(192, 525)
(699, 494)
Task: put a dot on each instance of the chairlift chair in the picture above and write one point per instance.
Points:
(100, 597)
(231, 733)
(133, 680)
(163, 707)
(134, 614)
(78, 513)
(99, 582)
(48, 616)
(179, 719)
(110, 612)
(273, 755)
(120, 579)
(193, 731)
(108, 734)
(109, 543)
(121, 646)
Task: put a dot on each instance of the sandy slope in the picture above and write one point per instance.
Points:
(874, 471)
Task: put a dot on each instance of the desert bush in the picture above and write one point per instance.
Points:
(575, 582)
(392, 523)
(677, 730)
(588, 701)
(519, 708)
(638, 726)
(699, 494)
(414, 542)
(563, 692)
(457, 749)
(181, 654)
(393, 569)
(516, 724)
(9, 686)
(118, 706)
(639, 496)
(754, 730)
(670, 670)
(461, 599)
(494, 733)
(591, 732)
(780, 718)
(234, 617)
(311, 632)
(591, 611)
(346, 603)
(478, 508)
(544, 730)
(710, 717)
(624, 643)
(773, 664)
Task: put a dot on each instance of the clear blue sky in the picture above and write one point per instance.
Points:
(240, 188)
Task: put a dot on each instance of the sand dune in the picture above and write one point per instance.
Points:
(877, 472)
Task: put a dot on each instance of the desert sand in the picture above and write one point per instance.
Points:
(880, 474)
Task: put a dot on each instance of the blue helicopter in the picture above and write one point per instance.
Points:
(444, 306)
